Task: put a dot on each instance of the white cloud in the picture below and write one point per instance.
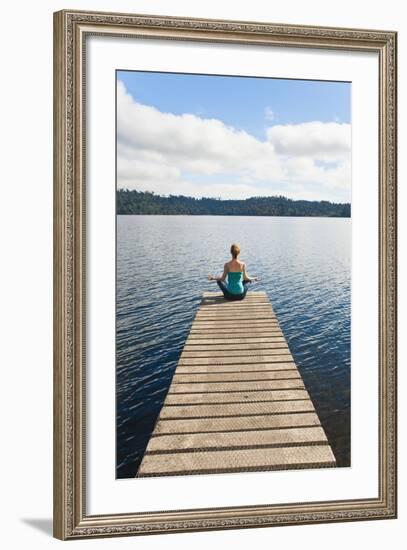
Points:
(317, 140)
(198, 156)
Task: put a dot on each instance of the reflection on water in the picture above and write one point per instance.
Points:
(162, 268)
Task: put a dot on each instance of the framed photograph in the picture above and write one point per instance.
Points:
(224, 274)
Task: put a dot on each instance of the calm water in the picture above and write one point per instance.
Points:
(162, 268)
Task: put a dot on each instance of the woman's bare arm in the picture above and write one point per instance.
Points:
(223, 277)
(246, 275)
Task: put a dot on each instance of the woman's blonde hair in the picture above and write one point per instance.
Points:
(235, 250)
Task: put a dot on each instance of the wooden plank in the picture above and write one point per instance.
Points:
(235, 327)
(237, 331)
(247, 316)
(237, 401)
(248, 367)
(281, 357)
(236, 386)
(280, 458)
(218, 294)
(234, 354)
(235, 346)
(252, 308)
(240, 423)
(192, 378)
(216, 374)
(174, 399)
(218, 298)
(249, 309)
(243, 325)
(234, 409)
(237, 306)
(234, 334)
(217, 304)
(251, 323)
(248, 306)
(244, 304)
(233, 440)
(233, 341)
(231, 347)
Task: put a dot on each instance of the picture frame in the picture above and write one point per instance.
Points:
(72, 29)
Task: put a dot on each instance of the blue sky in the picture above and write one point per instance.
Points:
(301, 127)
(241, 101)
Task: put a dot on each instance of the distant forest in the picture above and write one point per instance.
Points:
(146, 202)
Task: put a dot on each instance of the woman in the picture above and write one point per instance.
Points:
(238, 279)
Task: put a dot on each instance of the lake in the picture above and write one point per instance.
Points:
(304, 265)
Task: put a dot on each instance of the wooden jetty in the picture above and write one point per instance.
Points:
(237, 401)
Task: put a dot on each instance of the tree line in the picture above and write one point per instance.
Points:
(147, 202)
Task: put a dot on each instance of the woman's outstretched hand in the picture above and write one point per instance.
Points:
(210, 278)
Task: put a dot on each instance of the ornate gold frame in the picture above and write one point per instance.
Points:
(70, 31)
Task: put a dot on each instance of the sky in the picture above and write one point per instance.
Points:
(233, 137)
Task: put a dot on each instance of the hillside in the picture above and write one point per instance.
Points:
(145, 202)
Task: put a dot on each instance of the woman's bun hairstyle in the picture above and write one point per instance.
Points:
(235, 250)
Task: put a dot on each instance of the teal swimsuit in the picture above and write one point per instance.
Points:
(235, 282)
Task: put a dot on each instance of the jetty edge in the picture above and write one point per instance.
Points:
(237, 401)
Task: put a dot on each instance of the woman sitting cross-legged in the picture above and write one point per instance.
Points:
(238, 279)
